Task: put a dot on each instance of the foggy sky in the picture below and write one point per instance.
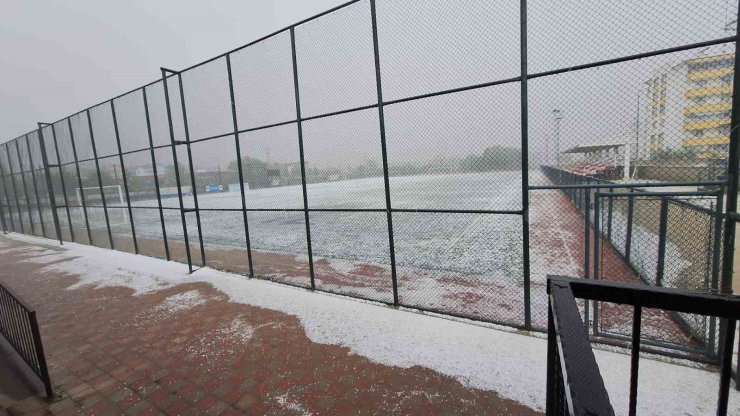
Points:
(79, 53)
(61, 56)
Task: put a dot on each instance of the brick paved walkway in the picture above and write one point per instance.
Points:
(186, 350)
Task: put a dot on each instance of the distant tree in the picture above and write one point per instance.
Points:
(254, 171)
(494, 158)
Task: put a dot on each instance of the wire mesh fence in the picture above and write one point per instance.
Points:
(442, 155)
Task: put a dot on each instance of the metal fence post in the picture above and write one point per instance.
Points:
(23, 183)
(628, 237)
(6, 191)
(40, 353)
(715, 267)
(79, 182)
(733, 166)
(587, 254)
(61, 179)
(49, 185)
(239, 165)
(725, 369)
(384, 150)
(635, 358)
(550, 399)
(5, 201)
(15, 189)
(100, 180)
(597, 247)
(662, 240)
(156, 174)
(728, 241)
(35, 187)
(123, 173)
(597, 234)
(303, 161)
(192, 170)
(2, 205)
(524, 97)
(176, 167)
(610, 210)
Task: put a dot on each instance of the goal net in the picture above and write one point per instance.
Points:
(114, 200)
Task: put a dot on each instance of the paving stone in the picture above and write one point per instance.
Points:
(111, 352)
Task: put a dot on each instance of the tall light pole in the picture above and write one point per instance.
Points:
(558, 116)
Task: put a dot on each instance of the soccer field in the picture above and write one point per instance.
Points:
(474, 256)
(469, 243)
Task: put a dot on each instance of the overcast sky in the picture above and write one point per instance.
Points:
(60, 56)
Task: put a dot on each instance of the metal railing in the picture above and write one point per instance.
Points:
(574, 384)
(20, 328)
(633, 226)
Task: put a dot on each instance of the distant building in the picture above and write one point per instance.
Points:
(148, 171)
(689, 107)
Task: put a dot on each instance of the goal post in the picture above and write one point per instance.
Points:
(94, 201)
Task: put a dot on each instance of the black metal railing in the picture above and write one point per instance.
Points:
(620, 221)
(20, 328)
(574, 383)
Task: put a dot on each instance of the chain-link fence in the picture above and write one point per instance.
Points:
(441, 155)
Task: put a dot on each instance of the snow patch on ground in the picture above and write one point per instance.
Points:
(511, 364)
(181, 301)
(223, 340)
(287, 403)
(239, 331)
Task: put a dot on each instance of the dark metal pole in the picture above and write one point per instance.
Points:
(61, 179)
(5, 201)
(524, 98)
(123, 173)
(715, 268)
(635, 358)
(597, 232)
(35, 187)
(177, 169)
(733, 166)
(587, 254)
(40, 354)
(239, 165)
(303, 161)
(100, 179)
(2, 205)
(552, 350)
(662, 234)
(610, 210)
(597, 248)
(6, 191)
(49, 185)
(79, 182)
(192, 170)
(630, 216)
(23, 183)
(156, 174)
(384, 150)
(15, 190)
(725, 370)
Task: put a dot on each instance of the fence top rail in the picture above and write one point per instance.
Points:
(17, 299)
(655, 194)
(608, 185)
(678, 300)
(585, 390)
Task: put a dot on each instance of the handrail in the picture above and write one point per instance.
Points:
(574, 369)
(19, 326)
(571, 365)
